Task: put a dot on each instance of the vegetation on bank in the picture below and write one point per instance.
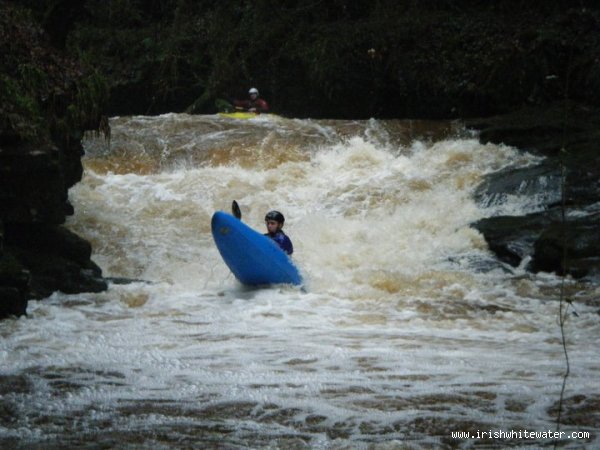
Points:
(341, 59)
(45, 97)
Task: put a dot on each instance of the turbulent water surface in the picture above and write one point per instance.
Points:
(406, 331)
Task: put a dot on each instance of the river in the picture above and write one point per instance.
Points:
(407, 329)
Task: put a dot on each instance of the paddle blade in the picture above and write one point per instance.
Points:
(235, 210)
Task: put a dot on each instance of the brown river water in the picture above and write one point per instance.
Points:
(407, 330)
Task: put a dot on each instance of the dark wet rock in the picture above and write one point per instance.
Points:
(513, 238)
(34, 183)
(543, 130)
(47, 102)
(57, 259)
(573, 248)
(14, 286)
(27, 198)
(125, 281)
(570, 249)
(542, 181)
(44, 239)
(564, 236)
(13, 302)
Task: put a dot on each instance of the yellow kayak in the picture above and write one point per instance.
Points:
(244, 115)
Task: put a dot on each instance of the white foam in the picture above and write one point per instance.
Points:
(395, 315)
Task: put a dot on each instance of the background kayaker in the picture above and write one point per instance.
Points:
(274, 221)
(254, 103)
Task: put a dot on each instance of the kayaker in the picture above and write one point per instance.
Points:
(254, 103)
(274, 221)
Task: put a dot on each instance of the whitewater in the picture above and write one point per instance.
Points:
(407, 330)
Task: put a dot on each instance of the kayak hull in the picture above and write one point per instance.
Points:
(253, 258)
(239, 115)
(245, 115)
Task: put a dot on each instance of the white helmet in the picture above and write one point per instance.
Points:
(253, 91)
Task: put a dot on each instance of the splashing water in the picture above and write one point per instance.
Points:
(408, 329)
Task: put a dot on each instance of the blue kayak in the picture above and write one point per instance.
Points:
(253, 258)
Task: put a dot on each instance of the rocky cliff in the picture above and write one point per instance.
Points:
(565, 236)
(46, 103)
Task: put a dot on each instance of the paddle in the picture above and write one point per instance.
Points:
(235, 209)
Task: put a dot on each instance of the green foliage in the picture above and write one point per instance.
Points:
(20, 115)
(33, 78)
(337, 58)
(89, 102)
(43, 95)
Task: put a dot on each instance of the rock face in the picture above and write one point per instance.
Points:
(38, 256)
(565, 236)
(40, 159)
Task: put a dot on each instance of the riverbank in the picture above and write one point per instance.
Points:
(563, 238)
(47, 102)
